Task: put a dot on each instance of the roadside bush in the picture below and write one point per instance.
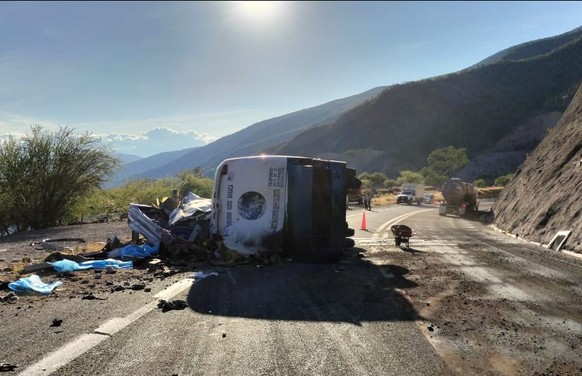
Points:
(196, 182)
(44, 175)
(115, 201)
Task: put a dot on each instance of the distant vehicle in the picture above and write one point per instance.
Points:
(460, 198)
(428, 198)
(289, 205)
(411, 193)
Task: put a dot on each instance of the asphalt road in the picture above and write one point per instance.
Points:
(377, 312)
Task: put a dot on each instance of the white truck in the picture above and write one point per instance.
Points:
(411, 193)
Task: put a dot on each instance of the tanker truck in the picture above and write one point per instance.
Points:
(460, 198)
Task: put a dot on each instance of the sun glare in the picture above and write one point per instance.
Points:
(256, 11)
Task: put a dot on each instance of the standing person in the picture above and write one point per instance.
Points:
(369, 195)
(366, 199)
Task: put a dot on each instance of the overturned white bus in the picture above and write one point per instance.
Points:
(287, 204)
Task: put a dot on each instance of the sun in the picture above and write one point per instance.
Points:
(259, 10)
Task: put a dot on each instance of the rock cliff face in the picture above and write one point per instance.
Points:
(545, 195)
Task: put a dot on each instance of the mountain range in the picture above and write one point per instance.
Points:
(248, 141)
(498, 109)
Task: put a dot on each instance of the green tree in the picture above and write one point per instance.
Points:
(502, 181)
(45, 174)
(432, 178)
(407, 176)
(390, 183)
(374, 179)
(366, 182)
(448, 160)
(480, 183)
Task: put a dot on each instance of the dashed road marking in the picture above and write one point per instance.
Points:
(69, 351)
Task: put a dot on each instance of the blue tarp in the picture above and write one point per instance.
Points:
(108, 263)
(136, 252)
(71, 266)
(33, 284)
(67, 266)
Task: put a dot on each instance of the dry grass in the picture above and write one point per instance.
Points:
(490, 192)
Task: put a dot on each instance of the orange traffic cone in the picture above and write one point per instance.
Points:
(363, 227)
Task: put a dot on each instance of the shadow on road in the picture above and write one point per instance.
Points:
(485, 217)
(353, 291)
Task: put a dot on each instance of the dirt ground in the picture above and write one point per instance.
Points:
(27, 248)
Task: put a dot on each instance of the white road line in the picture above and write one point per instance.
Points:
(399, 218)
(64, 355)
(85, 342)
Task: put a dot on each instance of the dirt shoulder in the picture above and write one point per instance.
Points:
(490, 304)
(32, 247)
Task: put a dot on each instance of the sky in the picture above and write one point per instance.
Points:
(149, 77)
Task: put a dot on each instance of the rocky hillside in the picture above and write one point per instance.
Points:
(545, 195)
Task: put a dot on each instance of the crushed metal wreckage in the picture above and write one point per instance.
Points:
(180, 228)
(188, 219)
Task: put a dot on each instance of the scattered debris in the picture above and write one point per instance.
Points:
(10, 298)
(56, 322)
(202, 275)
(57, 256)
(172, 305)
(7, 367)
(138, 286)
(559, 239)
(90, 296)
(46, 244)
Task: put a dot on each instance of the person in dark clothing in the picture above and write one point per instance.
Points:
(367, 198)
